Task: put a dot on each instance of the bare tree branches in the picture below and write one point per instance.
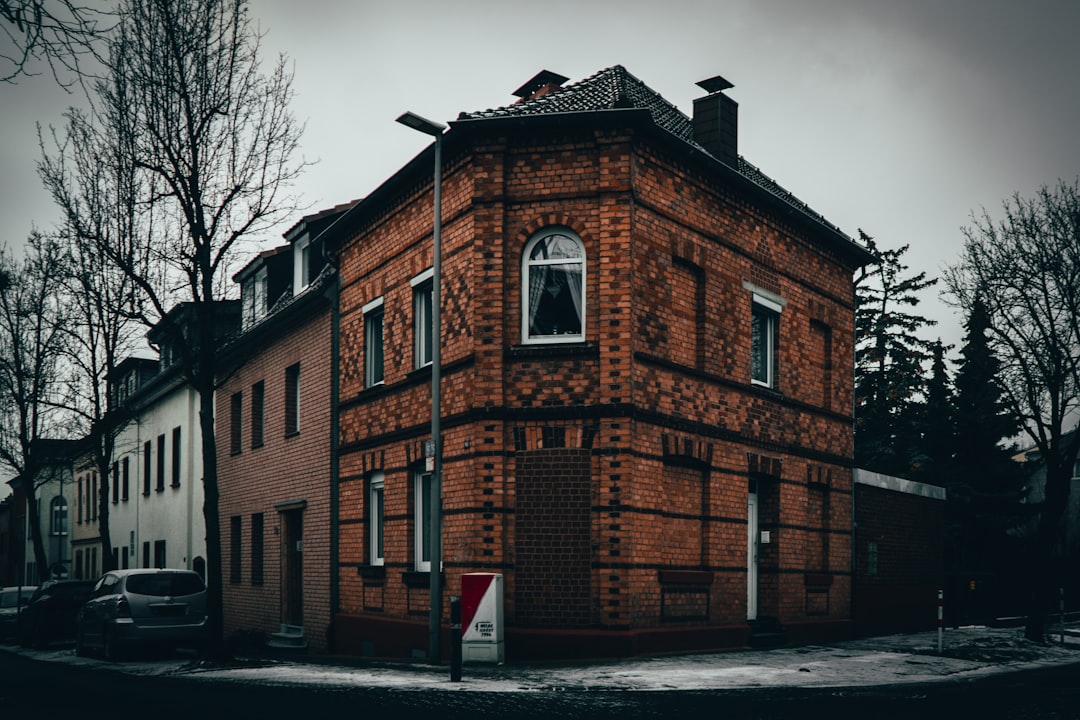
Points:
(62, 33)
(1025, 268)
(200, 146)
(34, 383)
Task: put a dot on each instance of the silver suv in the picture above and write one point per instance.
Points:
(144, 607)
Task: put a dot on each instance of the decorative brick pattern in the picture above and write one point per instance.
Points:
(585, 472)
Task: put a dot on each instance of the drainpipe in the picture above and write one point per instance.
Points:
(333, 295)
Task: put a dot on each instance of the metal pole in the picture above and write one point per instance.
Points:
(1061, 605)
(455, 638)
(414, 121)
(435, 620)
(940, 621)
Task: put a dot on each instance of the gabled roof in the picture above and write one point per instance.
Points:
(316, 222)
(610, 89)
(615, 88)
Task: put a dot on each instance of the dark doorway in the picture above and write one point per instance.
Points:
(292, 555)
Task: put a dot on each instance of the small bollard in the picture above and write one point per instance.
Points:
(940, 621)
(1061, 606)
(455, 638)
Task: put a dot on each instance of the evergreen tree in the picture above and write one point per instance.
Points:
(939, 424)
(889, 382)
(986, 476)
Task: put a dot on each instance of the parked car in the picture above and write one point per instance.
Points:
(12, 601)
(144, 607)
(50, 614)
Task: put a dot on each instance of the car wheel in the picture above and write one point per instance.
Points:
(38, 638)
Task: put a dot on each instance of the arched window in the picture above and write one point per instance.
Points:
(58, 514)
(553, 287)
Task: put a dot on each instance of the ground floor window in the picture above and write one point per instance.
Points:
(375, 517)
(422, 521)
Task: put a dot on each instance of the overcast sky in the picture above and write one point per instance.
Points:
(897, 117)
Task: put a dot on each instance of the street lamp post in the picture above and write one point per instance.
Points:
(436, 130)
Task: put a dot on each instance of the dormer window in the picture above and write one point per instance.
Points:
(253, 299)
(301, 265)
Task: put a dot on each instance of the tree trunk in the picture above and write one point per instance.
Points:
(1056, 498)
(215, 597)
(104, 447)
(33, 518)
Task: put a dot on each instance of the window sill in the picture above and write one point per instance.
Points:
(766, 389)
(372, 572)
(552, 350)
(292, 434)
(175, 486)
(417, 578)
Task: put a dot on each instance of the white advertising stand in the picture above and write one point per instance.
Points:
(482, 637)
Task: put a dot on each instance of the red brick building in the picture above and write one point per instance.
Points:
(274, 439)
(899, 554)
(646, 363)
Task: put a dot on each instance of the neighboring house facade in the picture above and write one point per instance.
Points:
(55, 493)
(155, 484)
(646, 358)
(10, 549)
(274, 445)
(899, 554)
(86, 526)
(1067, 553)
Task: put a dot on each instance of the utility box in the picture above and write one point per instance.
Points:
(482, 638)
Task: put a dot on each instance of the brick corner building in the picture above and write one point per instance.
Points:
(646, 383)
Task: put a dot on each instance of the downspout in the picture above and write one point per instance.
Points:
(334, 294)
(189, 489)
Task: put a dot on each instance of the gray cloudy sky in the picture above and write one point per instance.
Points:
(896, 117)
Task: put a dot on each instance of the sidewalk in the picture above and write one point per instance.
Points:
(969, 653)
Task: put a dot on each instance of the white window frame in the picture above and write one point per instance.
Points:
(527, 267)
(423, 333)
(421, 521)
(292, 376)
(769, 307)
(370, 310)
(377, 518)
(300, 267)
(58, 516)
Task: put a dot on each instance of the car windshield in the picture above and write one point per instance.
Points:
(165, 584)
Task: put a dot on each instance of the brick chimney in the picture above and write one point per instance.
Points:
(716, 121)
(541, 84)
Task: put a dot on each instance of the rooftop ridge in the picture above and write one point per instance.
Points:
(614, 88)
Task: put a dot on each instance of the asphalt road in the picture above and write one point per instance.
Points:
(32, 688)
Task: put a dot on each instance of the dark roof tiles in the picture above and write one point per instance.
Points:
(615, 88)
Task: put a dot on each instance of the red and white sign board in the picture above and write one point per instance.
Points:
(482, 617)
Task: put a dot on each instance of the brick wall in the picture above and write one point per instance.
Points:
(899, 557)
(658, 398)
(288, 473)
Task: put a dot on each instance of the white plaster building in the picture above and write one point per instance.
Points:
(155, 480)
(55, 493)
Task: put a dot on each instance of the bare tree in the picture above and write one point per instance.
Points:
(1025, 268)
(95, 182)
(213, 141)
(33, 381)
(62, 33)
